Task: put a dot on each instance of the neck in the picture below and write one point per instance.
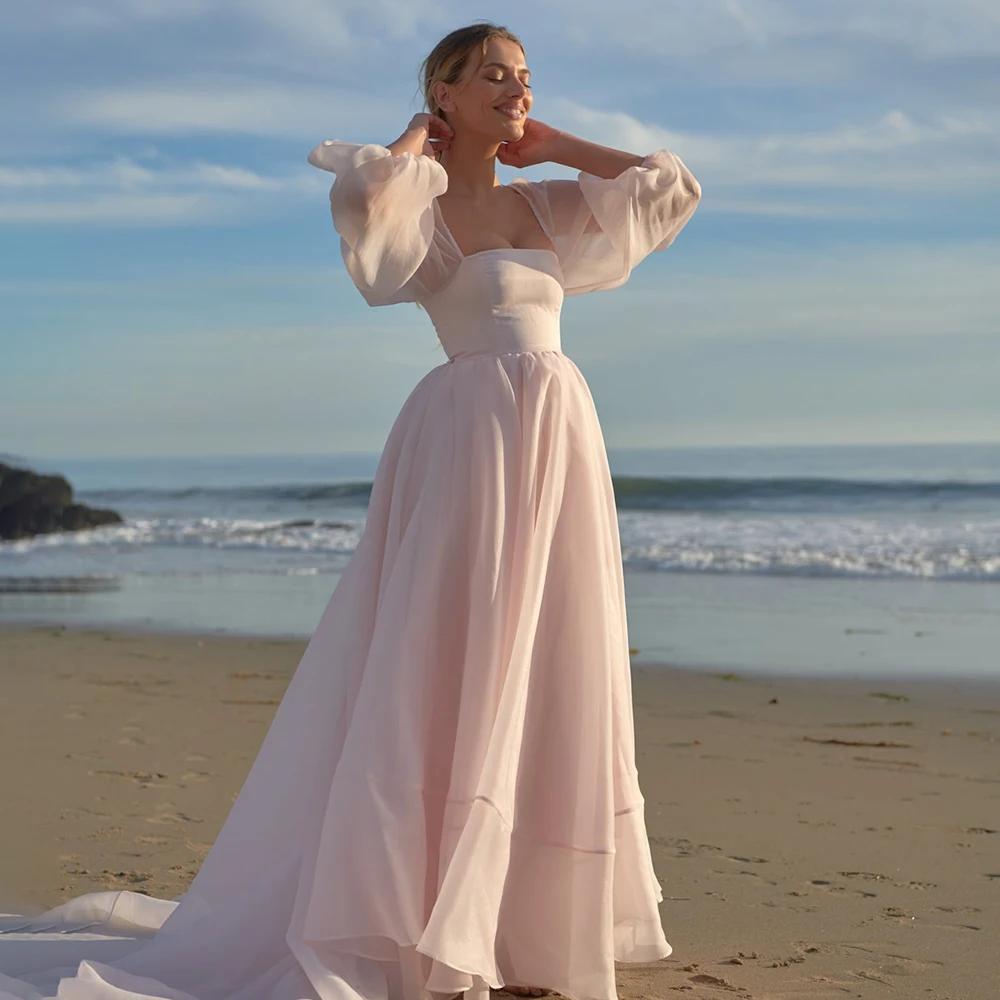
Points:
(471, 164)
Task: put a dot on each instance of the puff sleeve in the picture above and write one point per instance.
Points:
(382, 207)
(602, 227)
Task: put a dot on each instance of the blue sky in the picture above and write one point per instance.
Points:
(171, 282)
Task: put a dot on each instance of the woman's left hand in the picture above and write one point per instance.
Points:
(536, 145)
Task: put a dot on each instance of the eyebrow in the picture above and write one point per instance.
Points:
(504, 66)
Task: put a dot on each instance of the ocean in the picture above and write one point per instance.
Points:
(842, 560)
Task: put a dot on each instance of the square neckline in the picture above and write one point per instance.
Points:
(468, 256)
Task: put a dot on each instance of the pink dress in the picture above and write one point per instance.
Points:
(447, 798)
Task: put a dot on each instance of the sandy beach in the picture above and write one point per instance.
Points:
(814, 838)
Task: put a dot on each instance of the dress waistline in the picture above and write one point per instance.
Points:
(496, 354)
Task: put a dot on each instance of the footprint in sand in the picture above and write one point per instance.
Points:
(126, 877)
(197, 776)
(684, 847)
(80, 813)
(167, 812)
(105, 832)
(889, 962)
(828, 886)
(183, 872)
(171, 818)
(704, 979)
(869, 876)
(872, 977)
(127, 682)
(144, 779)
(744, 871)
(950, 910)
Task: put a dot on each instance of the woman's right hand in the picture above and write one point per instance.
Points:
(426, 135)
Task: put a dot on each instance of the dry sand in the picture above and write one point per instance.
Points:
(814, 838)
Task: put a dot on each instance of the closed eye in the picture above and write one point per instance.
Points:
(494, 79)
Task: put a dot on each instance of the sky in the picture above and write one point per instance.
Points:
(171, 282)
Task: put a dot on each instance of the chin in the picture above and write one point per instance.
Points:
(509, 135)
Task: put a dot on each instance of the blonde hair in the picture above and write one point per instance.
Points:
(448, 59)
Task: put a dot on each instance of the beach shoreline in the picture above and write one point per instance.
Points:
(813, 836)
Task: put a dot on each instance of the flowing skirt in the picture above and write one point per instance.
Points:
(447, 798)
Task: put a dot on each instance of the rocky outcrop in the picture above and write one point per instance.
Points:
(33, 504)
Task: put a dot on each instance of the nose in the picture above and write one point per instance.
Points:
(518, 89)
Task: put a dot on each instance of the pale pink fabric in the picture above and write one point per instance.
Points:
(447, 798)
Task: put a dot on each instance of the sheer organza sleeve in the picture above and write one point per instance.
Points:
(602, 227)
(382, 207)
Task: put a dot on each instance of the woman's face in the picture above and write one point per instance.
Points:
(493, 96)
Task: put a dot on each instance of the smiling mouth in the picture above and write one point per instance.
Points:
(514, 114)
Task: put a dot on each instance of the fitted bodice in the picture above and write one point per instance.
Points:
(499, 301)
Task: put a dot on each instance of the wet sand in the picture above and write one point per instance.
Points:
(814, 838)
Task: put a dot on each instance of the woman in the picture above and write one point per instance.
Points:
(447, 799)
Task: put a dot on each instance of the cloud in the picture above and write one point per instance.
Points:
(125, 192)
(769, 208)
(87, 18)
(680, 29)
(893, 152)
(118, 209)
(897, 116)
(894, 130)
(845, 295)
(772, 175)
(875, 155)
(221, 106)
(309, 22)
(126, 173)
(315, 23)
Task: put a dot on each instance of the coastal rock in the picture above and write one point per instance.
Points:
(34, 504)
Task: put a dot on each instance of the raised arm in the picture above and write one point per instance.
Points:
(600, 161)
(382, 207)
(426, 135)
(621, 207)
(542, 143)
